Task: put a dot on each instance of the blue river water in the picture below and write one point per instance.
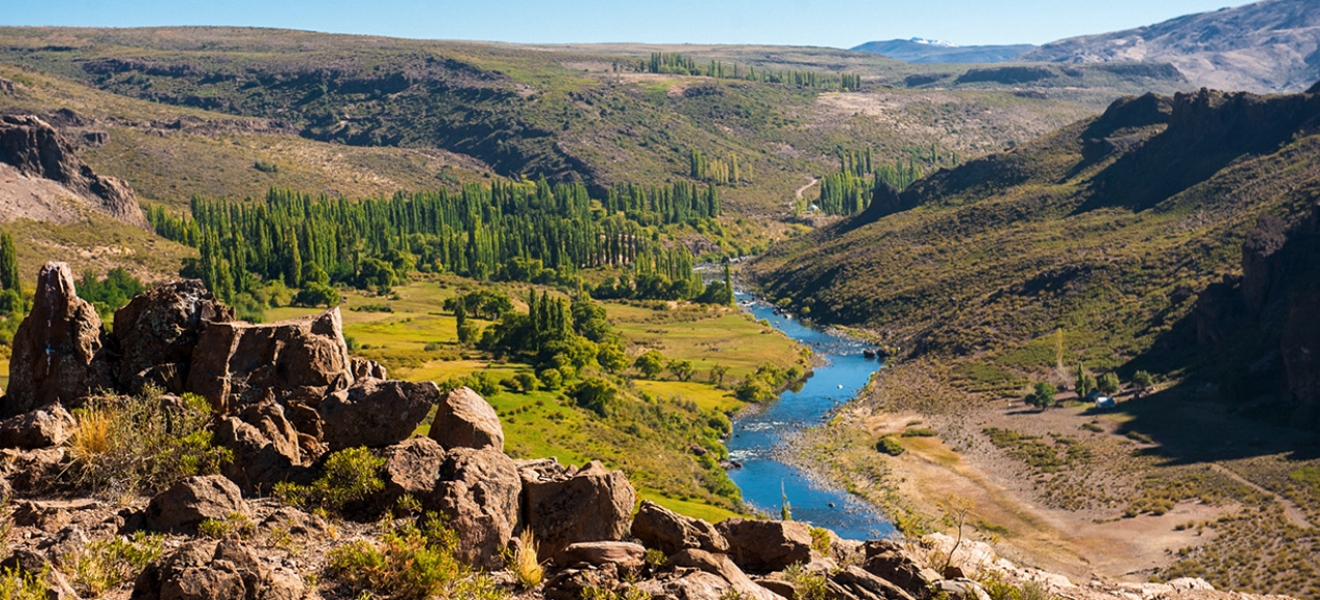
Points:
(758, 432)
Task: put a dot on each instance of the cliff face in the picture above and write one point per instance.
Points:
(42, 179)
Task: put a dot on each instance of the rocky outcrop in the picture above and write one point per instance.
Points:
(376, 413)
(187, 503)
(227, 570)
(719, 564)
(412, 468)
(35, 149)
(1300, 346)
(670, 532)
(235, 364)
(40, 428)
(265, 448)
(626, 556)
(464, 419)
(563, 506)
(764, 546)
(54, 347)
(479, 491)
(158, 330)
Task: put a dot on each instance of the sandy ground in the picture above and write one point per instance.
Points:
(1081, 544)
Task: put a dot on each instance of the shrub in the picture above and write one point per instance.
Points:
(107, 564)
(1043, 396)
(236, 524)
(522, 561)
(1108, 384)
(16, 585)
(528, 382)
(890, 445)
(349, 476)
(552, 379)
(411, 563)
(920, 432)
(595, 394)
(808, 585)
(142, 444)
(820, 540)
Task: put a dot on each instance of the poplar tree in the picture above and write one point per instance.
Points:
(9, 278)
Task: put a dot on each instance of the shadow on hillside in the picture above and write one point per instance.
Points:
(1190, 423)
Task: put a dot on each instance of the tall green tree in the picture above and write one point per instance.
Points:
(9, 278)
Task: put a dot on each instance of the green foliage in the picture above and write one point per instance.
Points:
(411, 562)
(19, 585)
(754, 389)
(890, 445)
(236, 524)
(1306, 475)
(348, 477)
(820, 540)
(1143, 380)
(595, 394)
(9, 276)
(104, 565)
(920, 432)
(650, 363)
(317, 294)
(111, 293)
(674, 63)
(806, 584)
(1108, 384)
(682, 369)
(1043, 396)
(142, 443)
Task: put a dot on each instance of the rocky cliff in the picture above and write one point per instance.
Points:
(41, 178)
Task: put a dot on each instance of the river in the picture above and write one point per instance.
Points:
(758, 432)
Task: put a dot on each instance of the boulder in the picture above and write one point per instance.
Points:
(764, 546)
(478, 491)
(624, 555)
(31, 471)
(158, 330)
(719, 564)
(203, 570)
(689, 584)
(866, 586)
(464, 419)
(189, 502)
(54, 347)
(412, 468)
(576, 584)
(364, 369)
(892, 562)
(295, 522)
(961, 589)
(235, 364)
(41, 428)
(563, 507)
(376, 413)
(670, 532)
(259, 461)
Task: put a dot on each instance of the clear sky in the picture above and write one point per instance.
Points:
(837, 23)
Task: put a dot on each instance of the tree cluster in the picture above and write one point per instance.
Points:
(680, 64)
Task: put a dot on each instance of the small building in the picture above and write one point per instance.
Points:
(1104, 402)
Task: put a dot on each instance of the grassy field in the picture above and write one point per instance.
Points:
(417, 341)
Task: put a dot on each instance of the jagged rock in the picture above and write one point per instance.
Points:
(866, 586)
(891, 562)
(1259, 273)
(37, 150)
(691, 584)
(376, 413)
(563, 507)
(227, 570)
(572, 584)
(624, 555)
(189, 502)
(235, 364)
(367, 369)
(41, 428)
(670, 532)
(464, 419)
(719, 564)
(295, 522)
(479, 490)
(28, 562)
(54, 347)
(32, 471)
(264, 445)
(1300, 346)
(962, 589)
(764, 546)
(412, 468)
(158, 330)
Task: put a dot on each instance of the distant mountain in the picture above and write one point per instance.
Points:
(918, 50)
(1270, 46)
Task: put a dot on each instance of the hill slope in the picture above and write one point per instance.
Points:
(1270, 46)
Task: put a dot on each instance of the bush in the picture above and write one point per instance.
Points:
(890, 445)
(349, 476)
(142, 444)
(551, 379)
(411, 563)
(1043, 397)
(317, 294)
(595, 394)
(807, 585)
(522, 561)
(1108, 384)
(107, 564)
(17, 585)
(754, 389)
(920, 432)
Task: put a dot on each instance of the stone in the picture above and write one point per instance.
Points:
(189, 502)
(892, 562)
(464, 419)
(867, 586)
(376, 413)
(158, 330)
(235, 364)
(367, 369)
(203, 570)
(41, 428)
(719, 564)
(562, 507)
(961, 589)
(624, 555)
(32, 471)
(670, 532)
(689, 585)
(295, 522)
(764, 546)
(54, 347)
(412, 467)
(478, 490)
(259, 462)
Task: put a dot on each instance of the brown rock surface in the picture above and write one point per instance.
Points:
(412, 467)
(41, 428)
(189, 502)
(376, 413)
(54, 346)
(670, 532)
(158, 330)
(479, 490)
(764, 546)
(563, 507)
(624, 555)
(719, 564)
(464, 419)
(228, 570)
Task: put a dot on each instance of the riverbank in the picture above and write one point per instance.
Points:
(1068, 518)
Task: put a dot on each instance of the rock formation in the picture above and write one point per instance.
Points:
(54, 346)
(32, 148)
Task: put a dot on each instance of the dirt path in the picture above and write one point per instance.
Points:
(804, 188)
(1291, 510)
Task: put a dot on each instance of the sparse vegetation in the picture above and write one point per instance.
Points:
(104, 565)
(349, 476)
(412, 562)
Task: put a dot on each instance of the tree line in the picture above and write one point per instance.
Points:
(851, 189)
(513, 231)
(716, 170)
(679, 64)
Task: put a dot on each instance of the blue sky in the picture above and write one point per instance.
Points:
(837, 23)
